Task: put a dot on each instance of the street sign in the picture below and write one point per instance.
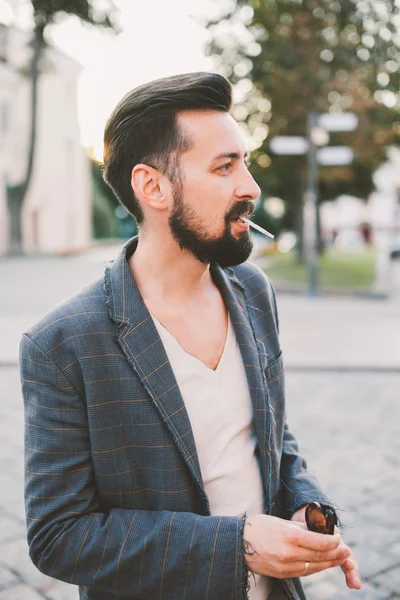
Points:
(335, 155)
(322, 155)
(289, 144)
(338, 121)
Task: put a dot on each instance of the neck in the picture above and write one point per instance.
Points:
(165, 273)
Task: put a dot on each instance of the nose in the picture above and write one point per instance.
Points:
(247, 188)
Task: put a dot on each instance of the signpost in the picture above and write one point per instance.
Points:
(335, 155)
(289, 144)
(317, 127)
(338, 121)
(310, 213)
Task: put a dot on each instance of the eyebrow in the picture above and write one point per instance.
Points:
(233, 155)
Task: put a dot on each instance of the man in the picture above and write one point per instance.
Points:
(159, 464)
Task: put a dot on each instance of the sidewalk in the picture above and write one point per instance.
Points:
(316, 333)
(32, 285)
(340, 333)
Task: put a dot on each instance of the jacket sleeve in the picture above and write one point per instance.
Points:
(135, 553)
(298, 485)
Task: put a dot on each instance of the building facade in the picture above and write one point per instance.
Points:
(57, 212)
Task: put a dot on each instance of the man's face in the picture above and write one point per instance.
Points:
(215, 191)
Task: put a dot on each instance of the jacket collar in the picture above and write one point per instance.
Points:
(122, 293)
(141, 343)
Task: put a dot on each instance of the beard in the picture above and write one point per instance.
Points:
(225, 250)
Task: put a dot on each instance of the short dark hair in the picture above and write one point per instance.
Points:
(143, 128)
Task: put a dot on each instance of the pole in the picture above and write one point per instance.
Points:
(310, 208)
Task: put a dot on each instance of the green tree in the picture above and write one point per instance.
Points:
(110, 218)
(288, 57)
(45, 13)
(105, 224)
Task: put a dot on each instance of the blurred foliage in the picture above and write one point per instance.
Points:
(100, 14)
(103, 187)
(110, 218)
(287, 57)
(265, 219)
(105, 224)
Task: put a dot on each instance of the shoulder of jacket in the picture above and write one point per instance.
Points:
(77, 311)
(251, 277)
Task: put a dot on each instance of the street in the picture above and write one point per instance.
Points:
(343, 399)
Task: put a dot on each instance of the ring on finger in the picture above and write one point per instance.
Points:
(306, 567)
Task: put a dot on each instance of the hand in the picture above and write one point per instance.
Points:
(349, 567)
(279, 548)
(352, 573)
(299, 515)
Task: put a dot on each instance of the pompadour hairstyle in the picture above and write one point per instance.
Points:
(143, 128)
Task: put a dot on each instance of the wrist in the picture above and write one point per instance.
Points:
(299, 514)
(246, 539)
(250, 554)
(245, 547)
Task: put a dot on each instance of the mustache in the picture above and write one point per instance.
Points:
(241, 209)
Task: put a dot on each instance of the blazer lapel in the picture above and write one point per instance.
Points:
(253, 355)
(141, 343)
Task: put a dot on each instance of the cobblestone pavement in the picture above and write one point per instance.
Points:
(347, 425)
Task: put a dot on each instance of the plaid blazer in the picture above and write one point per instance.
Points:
(115, 501)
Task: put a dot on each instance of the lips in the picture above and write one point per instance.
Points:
(243, 214)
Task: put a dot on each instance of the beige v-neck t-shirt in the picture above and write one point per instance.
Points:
(221, 415)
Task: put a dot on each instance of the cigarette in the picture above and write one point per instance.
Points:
(260, 229)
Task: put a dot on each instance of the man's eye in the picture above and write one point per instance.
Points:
(226, 167)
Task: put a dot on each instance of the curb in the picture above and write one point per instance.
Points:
(343, 369)
(360, 295)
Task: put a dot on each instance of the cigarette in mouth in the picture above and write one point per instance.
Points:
(260, 229)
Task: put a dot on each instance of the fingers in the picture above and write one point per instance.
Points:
(352, 574)
(326, 558)
(298, 569)
(340, 553)
(287, 549)
(315, 541)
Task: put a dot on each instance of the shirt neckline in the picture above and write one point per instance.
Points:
(181, 349)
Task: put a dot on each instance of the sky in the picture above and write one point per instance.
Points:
(159, 38)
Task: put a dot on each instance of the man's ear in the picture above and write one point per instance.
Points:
(148, 188)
